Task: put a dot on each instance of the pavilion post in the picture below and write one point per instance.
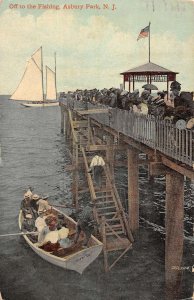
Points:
(124, 82)
(133, 83)
(129, 84)
(167, 87)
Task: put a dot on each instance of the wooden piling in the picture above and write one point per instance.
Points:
(174, 233)
(62, 119)
(103, 233)
(133, 189)
(75, 182)
(110, 154)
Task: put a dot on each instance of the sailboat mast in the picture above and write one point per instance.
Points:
(42, 74)
(55, 75)
(46, 82)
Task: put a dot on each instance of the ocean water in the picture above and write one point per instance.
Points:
(34, 153)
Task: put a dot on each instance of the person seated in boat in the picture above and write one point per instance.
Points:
(96, 167)
(43, 205)
(85, 223)
(64, 241)
(61, 221)
(25, 204)
(28, 225)
(34, 205)
(40, 221)
(29, 192)
(48, 237)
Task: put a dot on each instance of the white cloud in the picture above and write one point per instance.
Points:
(91, 52)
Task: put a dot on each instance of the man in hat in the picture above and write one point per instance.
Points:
(85, 223)
(28, 225)
(34, 205)
(43, 205)
(97, 167)
(25, 204)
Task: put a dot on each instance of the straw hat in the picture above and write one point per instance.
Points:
(35, 197)
(28, 194)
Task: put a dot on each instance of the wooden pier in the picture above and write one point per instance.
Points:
(169, 151)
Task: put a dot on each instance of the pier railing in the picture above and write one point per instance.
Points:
(158, 134)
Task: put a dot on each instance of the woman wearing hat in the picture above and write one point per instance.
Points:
(48, 238)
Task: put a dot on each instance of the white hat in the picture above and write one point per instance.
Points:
(28, 216)
(35, 197)
(28, 194)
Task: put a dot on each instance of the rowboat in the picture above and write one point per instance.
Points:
(75, 258)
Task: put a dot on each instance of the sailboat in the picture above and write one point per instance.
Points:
(31, 86)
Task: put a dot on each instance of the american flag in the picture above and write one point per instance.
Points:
(144, 33)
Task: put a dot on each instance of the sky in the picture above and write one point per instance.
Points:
(94, 46)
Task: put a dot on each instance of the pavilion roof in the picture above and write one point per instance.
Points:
(148, 68)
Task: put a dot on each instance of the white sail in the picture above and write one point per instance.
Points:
(50, 84)
(37, 57)
(30, 87)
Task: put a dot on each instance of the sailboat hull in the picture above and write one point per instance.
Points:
(46, 104)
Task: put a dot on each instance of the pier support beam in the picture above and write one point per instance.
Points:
(62, 119)
(174, 233)
(110, 154)
(133, 189)
(67, 126)
(75, 174)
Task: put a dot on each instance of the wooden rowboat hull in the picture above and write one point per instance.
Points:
(78, 261)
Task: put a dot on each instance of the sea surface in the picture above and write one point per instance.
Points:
(34, 153)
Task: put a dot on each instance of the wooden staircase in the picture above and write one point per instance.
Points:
(108, 210)
(109, 214)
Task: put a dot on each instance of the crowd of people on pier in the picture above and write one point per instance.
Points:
(177, 105)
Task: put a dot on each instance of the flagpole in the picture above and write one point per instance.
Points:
(56, 74)
(149, 41)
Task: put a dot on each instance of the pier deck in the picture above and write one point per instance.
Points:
(169, 151)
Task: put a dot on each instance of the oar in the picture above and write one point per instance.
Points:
(58, 205)
(18, 233)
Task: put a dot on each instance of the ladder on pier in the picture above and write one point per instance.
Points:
(109, 214)
(108, 210)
